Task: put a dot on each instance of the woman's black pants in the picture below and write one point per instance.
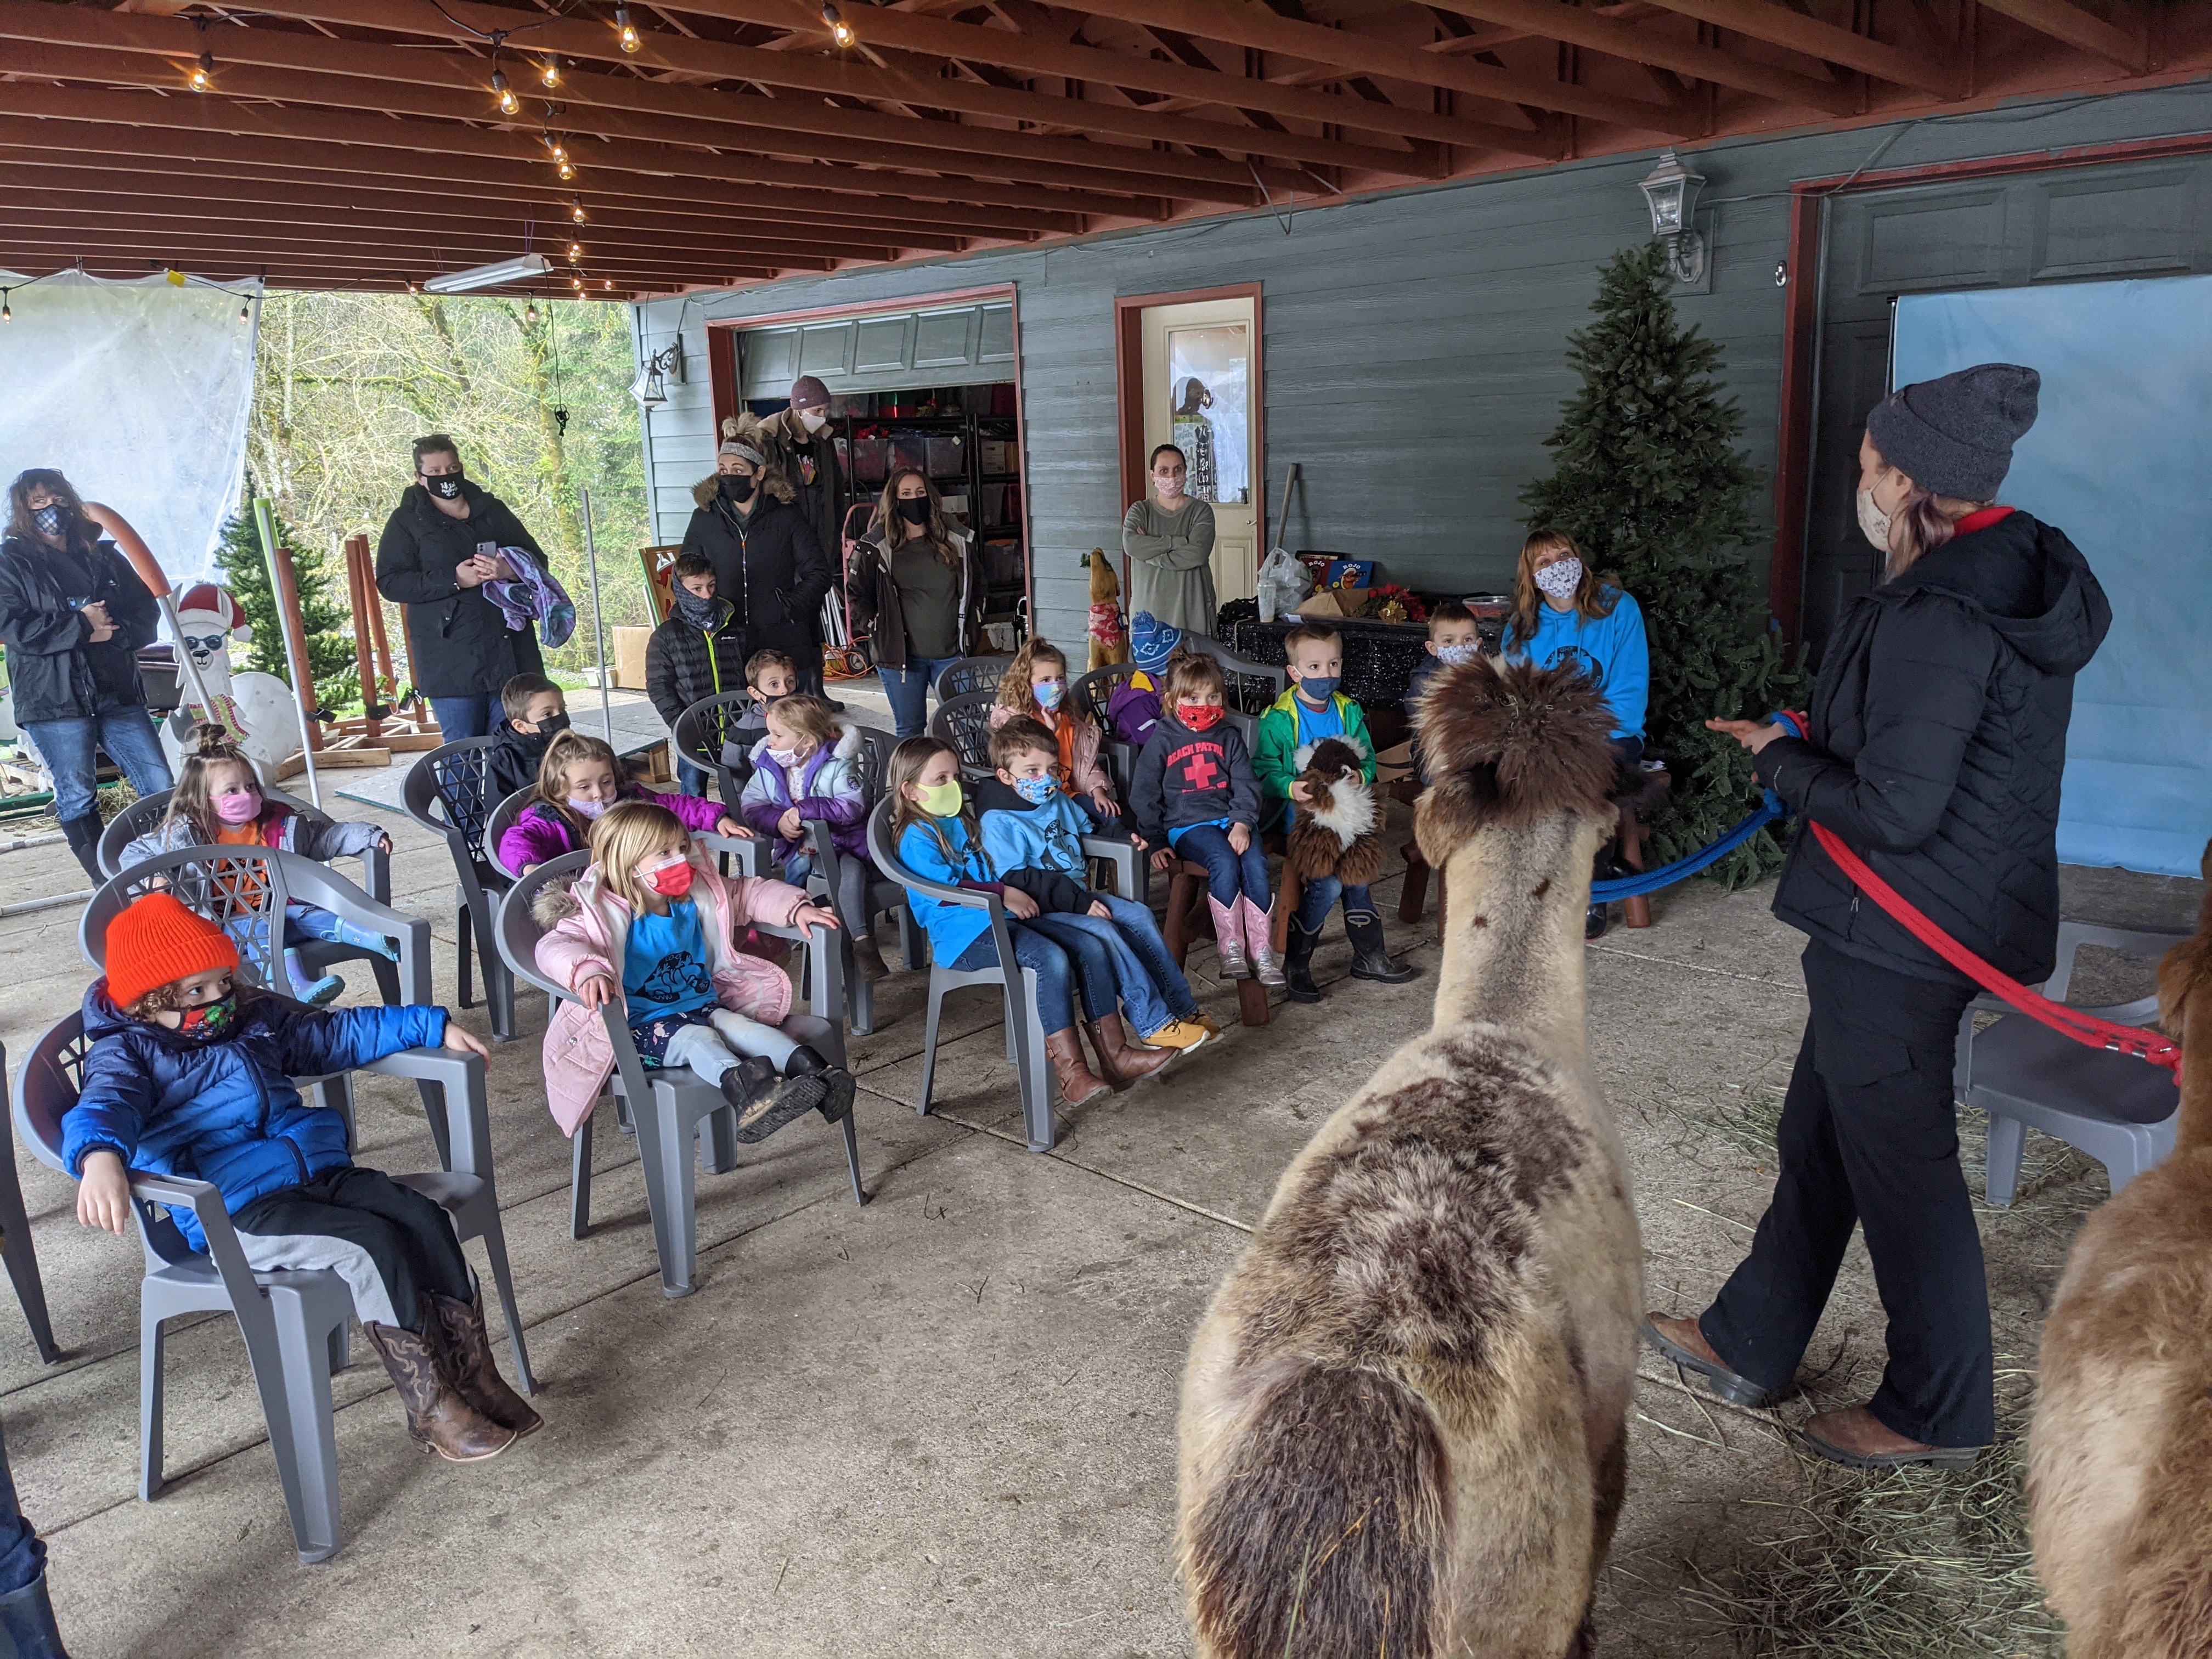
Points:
(1869, 1134)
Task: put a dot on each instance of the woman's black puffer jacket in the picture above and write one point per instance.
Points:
(1938, 737)
(459, 644)
(767, 563)
(55, 670)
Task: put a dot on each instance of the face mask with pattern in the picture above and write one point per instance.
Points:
(1560, 581)
(1035, 790)
(210, 1022)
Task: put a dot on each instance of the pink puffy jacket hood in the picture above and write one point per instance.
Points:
(585, 929)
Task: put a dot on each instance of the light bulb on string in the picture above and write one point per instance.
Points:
(575, 253)
(625, 33)
(6, 314)
(840, 30)
(246, 311)
(508, 103)
(203, 76)
(530, 312)
(567, 169)
(576, 209)
(549, 72)
(607, 284)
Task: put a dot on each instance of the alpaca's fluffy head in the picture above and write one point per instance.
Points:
(1507, 744)
(2185, 973)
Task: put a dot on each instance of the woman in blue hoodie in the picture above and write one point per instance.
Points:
(1562, 609)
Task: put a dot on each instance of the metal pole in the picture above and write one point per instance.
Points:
(303, 689)
(599, 627)
(191, 670)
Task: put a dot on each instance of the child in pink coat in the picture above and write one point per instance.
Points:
(579, 778)
(649, 928)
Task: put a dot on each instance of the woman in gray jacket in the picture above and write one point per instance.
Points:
(915, 592)
(1168, 540)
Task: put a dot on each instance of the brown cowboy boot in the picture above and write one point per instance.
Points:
(1077, 1084)
(469, 1362)
(1122, 1062)
(439, 1418)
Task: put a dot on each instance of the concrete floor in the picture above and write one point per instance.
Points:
(943, 1425)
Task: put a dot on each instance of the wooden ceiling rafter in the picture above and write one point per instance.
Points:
(2078, 27)
(1779, 25)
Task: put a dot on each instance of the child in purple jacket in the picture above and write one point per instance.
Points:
(579, 778)
(803, 773)
(1134, 708)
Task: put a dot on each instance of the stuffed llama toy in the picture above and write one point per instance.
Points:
(1336, 832)
(1109, 639)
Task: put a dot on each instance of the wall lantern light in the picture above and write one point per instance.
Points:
(650, 386)
(1671, 191)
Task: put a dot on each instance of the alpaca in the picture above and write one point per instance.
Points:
(1403, 1419)
(2119, 1453)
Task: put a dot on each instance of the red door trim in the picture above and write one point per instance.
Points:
(1129, 394)
(1800, 325)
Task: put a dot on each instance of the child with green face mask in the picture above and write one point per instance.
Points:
(939, 840)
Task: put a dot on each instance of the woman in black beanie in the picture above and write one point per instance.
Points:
(1938, 734)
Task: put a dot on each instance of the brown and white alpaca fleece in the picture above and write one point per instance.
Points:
(1335, 833)
(1403, 1426)
(2119, 1453)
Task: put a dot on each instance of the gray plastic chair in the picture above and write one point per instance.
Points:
(964, 722)
(447, 791)
(1018, 985)
(1252, 686)
(873, 762)
(700, 733)
(503, 818)
(1090, 695)
(2119, 1110)
(294, 1323)
(317, 956)
(15, 1243)
(970, 675)
(669, 1108)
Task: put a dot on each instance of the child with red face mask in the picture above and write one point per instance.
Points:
(651, 927)
(1196, 794)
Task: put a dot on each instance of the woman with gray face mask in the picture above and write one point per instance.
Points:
(74, 616)
(1937, 736)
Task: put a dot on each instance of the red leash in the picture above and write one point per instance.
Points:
(2067, 1022)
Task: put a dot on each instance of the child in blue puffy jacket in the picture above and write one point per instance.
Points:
(190, 1074)
(1033, 833)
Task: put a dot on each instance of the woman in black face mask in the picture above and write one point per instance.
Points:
(916, 591)
(768, 563)
(74, 616)
(439, 547)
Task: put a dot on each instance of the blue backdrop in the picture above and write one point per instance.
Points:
(2120, 458)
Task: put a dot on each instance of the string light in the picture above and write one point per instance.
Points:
(6, 314)
(203, 76)
(549, 72)
(624, 32)
(411, 287)
(530, 312)
(566, 170)
(576, 209)
(246, 311)
(576, 253)
(607, 282)
(840, 30)
(508, 103)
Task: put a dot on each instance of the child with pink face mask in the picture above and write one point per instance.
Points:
(218, 802)
(652, 929)
(579, 778)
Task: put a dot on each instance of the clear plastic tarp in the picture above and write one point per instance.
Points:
(139, 391)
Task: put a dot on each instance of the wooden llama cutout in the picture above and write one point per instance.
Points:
(2119, 1454)
(1403, 1419)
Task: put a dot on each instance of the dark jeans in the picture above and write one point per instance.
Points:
(1055, 975)
(67, 748)
(689, 780)
(389, 1243)
(1321, 894)
(908, 689)
(467, 717)
(1227, 872)
(1869, 1133)
(22, 1554)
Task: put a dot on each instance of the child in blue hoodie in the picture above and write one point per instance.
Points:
(1033, 833)
(190, 1075)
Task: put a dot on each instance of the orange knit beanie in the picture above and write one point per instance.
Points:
(157, 941)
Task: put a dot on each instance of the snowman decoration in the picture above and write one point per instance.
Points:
(254, 709)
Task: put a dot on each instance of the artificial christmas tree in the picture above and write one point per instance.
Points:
(1650, 484)
(323, 621)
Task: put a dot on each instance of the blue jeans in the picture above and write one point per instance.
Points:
(1154, 993)
(1227, 872)
(1032, 950)
(1321, 894)
(467, 717)
(23, 1555)
(689, 780)
(67, 746)
(908, 689)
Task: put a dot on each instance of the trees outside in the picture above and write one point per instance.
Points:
(346, 382)
(325, 618)
(1649, 480)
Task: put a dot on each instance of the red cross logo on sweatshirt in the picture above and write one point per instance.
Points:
(1201, 772)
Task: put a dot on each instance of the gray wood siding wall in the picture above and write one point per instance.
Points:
(1413, 343)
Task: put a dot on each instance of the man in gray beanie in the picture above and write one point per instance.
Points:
(803, 449)
(1936, 741)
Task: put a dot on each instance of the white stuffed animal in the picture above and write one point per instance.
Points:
(257, 709)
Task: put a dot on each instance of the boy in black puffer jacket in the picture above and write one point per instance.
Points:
(191, 1075)
(696, 654)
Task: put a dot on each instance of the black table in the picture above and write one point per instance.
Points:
(1379, 656)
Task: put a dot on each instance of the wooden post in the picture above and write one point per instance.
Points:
(287, 611)
(364, 654)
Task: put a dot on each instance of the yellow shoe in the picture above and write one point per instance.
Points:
(1213, 1027)
(1178, 1034)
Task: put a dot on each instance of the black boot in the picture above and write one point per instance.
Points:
(1297, 963)
(1369, 960)
(27, 1623)
(837, 1101)
(1594, 923)
(84, 841)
